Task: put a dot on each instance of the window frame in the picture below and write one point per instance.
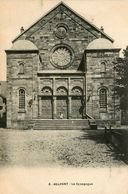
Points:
(103, 67)
(21, 69)
(103, 99)
(22, 100)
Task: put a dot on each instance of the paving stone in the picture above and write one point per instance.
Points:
(56, 148)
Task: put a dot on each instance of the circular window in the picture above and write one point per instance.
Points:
(61, 30)
(62, 56)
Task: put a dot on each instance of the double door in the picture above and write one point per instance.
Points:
(61, 107)
(46, 107)
(76, 107)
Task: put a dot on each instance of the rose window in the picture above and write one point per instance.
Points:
(61, 57)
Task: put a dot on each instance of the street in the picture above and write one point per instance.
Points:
(68, 148)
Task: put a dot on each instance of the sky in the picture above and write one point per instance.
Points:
(111, 14)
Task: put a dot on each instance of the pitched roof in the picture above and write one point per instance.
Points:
(67, 7)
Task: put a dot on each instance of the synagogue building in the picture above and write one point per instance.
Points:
(61, 70)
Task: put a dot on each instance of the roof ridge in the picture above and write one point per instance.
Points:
(65, 5)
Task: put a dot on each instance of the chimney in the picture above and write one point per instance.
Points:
(21, 29)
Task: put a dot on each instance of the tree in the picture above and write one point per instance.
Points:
(121, 79)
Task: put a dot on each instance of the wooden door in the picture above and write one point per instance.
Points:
(62, 107)
(46, 108)
(76, 107)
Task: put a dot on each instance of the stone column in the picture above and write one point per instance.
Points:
(69, 99)
(54, 107)
(39, 106)
(53, 86)
(35, 108)
(54, 98)
(69, 107)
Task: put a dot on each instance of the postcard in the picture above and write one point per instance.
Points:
(63, 97)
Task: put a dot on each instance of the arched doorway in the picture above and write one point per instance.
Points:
(46, 103)
(62, 103)
(77, 105)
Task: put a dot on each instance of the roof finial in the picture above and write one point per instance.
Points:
(102, 28)
(21, 29)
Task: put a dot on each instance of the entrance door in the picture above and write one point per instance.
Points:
(62, 107)
(77, 108)
(46, 107)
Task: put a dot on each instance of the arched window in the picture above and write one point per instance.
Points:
(77, 91)
(46, 91)
(103, 67)
(21, 99)
(21, 68)
(62, 91)
(103, 98)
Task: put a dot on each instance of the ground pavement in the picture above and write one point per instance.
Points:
(69, 148)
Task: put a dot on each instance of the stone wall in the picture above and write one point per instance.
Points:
(61, 37)
(61, 27)
(98, 77)
(17, 81)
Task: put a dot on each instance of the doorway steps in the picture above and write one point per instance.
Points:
(65, 124)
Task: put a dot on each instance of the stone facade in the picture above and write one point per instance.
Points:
(100, 82)
(52, 75)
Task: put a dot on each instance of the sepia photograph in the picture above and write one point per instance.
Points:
(63, 96)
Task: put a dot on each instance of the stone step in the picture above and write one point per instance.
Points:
(51, 124)
(57, 124)
(58, 127)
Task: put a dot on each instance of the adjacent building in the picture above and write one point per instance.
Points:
(3, 93)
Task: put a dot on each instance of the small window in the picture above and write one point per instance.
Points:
(21, 99)
(21, 68)
(103, 67)
(103, 98)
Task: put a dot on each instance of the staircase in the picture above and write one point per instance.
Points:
(41, 124)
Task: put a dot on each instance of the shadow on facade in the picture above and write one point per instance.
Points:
(2, 112)
(3, 121)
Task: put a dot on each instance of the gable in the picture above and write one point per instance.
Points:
(60, 10)
(61, 37)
